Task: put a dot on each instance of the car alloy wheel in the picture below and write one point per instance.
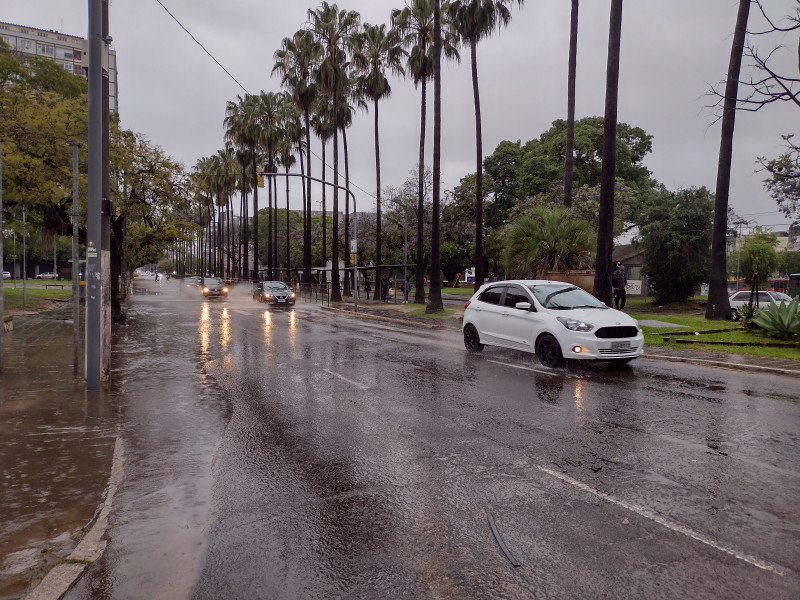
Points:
(549, 351)
(472, 341)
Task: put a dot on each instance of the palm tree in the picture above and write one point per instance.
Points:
(322, 124)
(296, 61)
(605, 233)
(545, 240)
(435, 298)
(268, 119)
(242, 128)
(571, 76)
(475, 20)
(718, 289)
(332, 28)
(377, 51)
(415, 25)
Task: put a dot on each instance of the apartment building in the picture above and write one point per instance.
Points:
(69, 51)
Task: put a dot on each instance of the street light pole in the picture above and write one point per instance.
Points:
(76, 299)
(2, 292)
(93, 242)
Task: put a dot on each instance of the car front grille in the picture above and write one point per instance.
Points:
(616, 351)
(626, 331)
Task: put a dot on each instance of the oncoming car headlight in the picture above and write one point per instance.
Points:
(291, 295)
(575, 324)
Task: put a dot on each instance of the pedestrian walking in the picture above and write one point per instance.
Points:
(385, 288)
(367, 287)
(407, 287)
(618, 283)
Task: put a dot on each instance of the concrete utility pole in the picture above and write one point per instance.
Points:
(93, 259)
(76, 269)
(105, 215)
(2, 293)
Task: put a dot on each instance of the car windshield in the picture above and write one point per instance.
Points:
(212, 281)
(564, 297)
(276, 286)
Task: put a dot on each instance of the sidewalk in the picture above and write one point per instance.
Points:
(58, 440)
(55, 456)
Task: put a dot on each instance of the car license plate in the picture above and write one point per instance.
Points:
(620, 345)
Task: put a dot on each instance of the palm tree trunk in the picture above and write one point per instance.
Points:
(718, 305)
(288, 258)
(435, 296)
(571, 76)
(346, 214)
(378, 258)
(254, 274)
(419, 293)
(336, 292)
(605, 233)
(473, 43)
(307, 239)
(324, 218)
(276, 260)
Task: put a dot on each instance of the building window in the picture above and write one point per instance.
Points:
(42, 34)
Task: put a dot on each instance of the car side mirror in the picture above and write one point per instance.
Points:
(525, 306)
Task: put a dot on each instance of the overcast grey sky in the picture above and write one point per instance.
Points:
(170, 90)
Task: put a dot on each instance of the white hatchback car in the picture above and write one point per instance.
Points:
(760, 300)
(551, 319)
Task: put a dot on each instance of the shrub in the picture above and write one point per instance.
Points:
(781, 321)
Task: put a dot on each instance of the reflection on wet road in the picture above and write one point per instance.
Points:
(305, 454)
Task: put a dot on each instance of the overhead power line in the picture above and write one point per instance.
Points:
(189, 33)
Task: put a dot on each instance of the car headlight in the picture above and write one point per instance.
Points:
(291, 295)
(225, 290)
(205, 290)
(267, 295)
(575, 324)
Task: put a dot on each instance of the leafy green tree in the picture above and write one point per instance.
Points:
(548, 239)
(783, 182)
(759, 256)
(675, 232)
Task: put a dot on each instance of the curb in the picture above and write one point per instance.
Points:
(63, 576)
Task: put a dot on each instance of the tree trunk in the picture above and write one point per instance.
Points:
(288, 257)
(419, 292)
(571, 76)
(307, 239)
(346, 215)
(473, 43)
(718, 306)
(254, 274)
(435, 296)
(336, 292)
(324, 217)
(378, 257)
(605, 233)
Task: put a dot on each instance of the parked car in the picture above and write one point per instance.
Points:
(6, 275)
(760, 299)
(214, 287)
(275, 293)
(550, 319)
(47, 276)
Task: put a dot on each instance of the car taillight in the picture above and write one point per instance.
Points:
(467, 304)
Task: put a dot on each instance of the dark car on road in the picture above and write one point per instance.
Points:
(275, 293)
(214, 287)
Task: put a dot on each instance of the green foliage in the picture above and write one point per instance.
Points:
(783, 183)
(548, 239)
(747, 312)
(781, 321)
(759, 256)
(675, 231)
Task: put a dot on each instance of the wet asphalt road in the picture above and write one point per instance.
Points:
(308, 454)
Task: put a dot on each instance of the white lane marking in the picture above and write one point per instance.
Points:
(664, 522)
(360, 386)
(542, 371)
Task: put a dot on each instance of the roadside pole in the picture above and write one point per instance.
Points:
(2, 292)
(93, 264)
(76, 297)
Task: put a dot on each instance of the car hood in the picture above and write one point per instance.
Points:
(597, 316)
